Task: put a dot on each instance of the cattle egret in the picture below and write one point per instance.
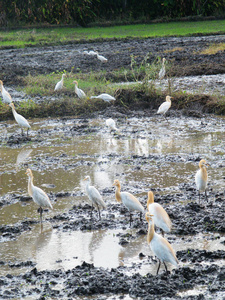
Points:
(129, 201)
(111, 124)
(164, 107)
(160, 216)
(38, 195)
(159, 245)
(80, 94)
(59, 85)
(104, 97)
(101, 58)
(201, 178)
(6, 98)
(22, 122)
(94, 196)
(162, 71)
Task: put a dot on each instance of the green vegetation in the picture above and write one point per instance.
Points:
(43, 36)
(84, 12)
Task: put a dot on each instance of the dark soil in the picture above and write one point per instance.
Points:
(182, 52)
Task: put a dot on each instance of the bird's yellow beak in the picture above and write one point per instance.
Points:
(85, 178)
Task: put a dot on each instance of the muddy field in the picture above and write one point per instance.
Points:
(183, 52)
(147, 153)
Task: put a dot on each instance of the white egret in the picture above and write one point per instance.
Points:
(38, 195)
(164, 107)
(101, 57)
(94, 196)
(22, 122)
(111, 124)
(129, 201)
(59, 85)
(201, 178)
(162, 71)
(160, 216)
(104, 97)
(80, 93)
(159, 245)
(6, 98)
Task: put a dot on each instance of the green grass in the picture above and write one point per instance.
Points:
(42, 36)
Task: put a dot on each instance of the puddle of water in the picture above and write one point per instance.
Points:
(51, 249)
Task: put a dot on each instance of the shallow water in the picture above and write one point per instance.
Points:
(169, 153)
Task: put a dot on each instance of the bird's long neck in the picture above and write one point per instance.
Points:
(30, 185)
(14, 111)
(87, 185)
(150, 199)
(151, 232)
(117, 194)
(204, 172)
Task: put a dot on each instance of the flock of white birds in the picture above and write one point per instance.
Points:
(155, 214)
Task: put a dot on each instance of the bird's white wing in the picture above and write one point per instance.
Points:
(6, 96)
(40, 197)
(163, 250)
(58, 86)
(21, 121)
(96, 197)
(163, 108)
(131, 202)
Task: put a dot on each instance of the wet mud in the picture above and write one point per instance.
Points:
(201, 272)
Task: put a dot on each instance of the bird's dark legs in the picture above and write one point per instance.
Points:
(91, 209)
(130, 218)
(199, 196)
(21, 130)
(206, 197)
(140, 216)
(40, 210)
(165, 266)
(27, 132)
(99, 212)
(158, 267)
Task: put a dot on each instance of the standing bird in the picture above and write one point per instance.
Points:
(164, 107)
(160, 216)
(159, 245)
(129, 201)
(162, 71)
(59, 85)
(111, 124)
(5, 95)
(104, 97)
(22, 122)
(101, 58)
(38, 195)
(201, 178)
(94, 196)
(81, 94)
